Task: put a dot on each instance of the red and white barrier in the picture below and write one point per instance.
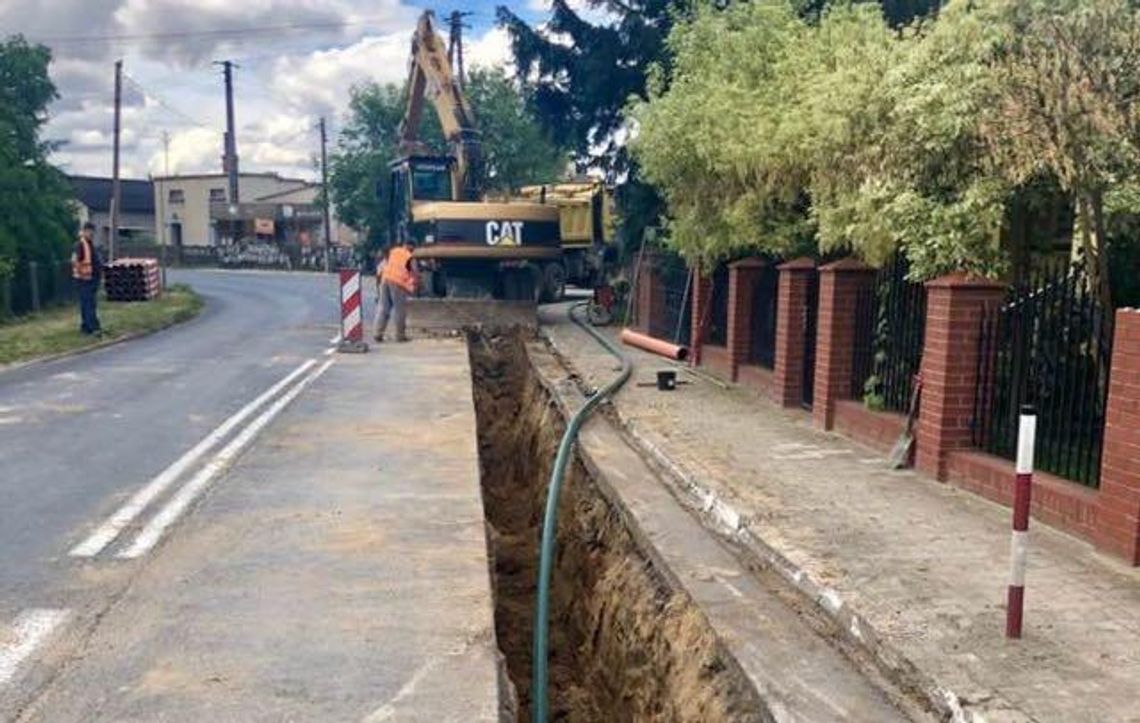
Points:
(1019, 542)
(351, 312)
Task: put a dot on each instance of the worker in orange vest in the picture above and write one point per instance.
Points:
(86, 270)
(397, 282)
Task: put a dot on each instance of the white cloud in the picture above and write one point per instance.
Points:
(196, 31)
(492, 49)
(191, 151)
(320, 82)
(287, 79)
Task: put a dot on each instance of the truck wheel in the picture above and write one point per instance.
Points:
(553, 282)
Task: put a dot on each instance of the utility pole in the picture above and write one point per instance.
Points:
(116, 189)
(166, 153)
(230, 161)
(328, 199)
(455, 44)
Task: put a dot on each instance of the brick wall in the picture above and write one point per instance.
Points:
(840, 284)
(1057, 502)
(757, 377)
(649, 312)
(715, 359)
(743, 277)
(788, 376)
(954, 309)
(1118, 511)
(877, 430)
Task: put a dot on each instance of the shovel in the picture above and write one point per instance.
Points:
(900, 453)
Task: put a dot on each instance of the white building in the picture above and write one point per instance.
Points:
(195, 210)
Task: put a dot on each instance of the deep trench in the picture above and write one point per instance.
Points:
(625, 645)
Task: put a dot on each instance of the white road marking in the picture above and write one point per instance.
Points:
(335, 339)
(149, 536)
(28, 631)
(330, 352)
(113, 526)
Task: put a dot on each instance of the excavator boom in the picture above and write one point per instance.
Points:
(430, 79)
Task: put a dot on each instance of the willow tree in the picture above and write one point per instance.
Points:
(1067, 105)
(779, 133)
(713, 142)
(917, 176)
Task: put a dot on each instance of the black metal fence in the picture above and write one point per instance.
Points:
(765, 303)
(35, 285)
(1049, 344)
(674, 323)
(717, 333)
(811, 325)
(890, 326)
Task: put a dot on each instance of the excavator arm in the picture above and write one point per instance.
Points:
(430, 78)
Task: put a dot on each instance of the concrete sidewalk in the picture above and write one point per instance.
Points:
(914, 570)
(332, 575)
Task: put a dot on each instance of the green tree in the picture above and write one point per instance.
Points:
(585, 74)
(358, 169)
(1066, 105)
(36, 213)
(515, 149)
(779, 129)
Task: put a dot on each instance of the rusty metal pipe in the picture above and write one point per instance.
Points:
(657, 346)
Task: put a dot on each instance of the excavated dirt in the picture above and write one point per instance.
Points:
(625, 646)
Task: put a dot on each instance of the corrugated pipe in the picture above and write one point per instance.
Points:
(539, 673)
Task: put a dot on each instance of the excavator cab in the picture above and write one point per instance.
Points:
(417, 180)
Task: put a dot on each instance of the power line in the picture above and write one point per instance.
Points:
(167, 106)
(219, 32)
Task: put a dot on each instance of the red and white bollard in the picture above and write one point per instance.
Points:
(1019, 543)
(351, 313)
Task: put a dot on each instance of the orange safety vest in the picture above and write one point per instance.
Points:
(82, 265)
(397, 271)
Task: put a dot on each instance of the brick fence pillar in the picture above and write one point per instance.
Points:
(743, 276)
(954, 306)
(1117, 528)
(650, 296)
(791, 320)
(840, 284)
(702, 298)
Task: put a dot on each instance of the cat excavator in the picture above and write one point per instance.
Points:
(525, 247)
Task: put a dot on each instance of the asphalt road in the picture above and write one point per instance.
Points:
(80, 435)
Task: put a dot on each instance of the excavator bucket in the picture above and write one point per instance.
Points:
(452, 316)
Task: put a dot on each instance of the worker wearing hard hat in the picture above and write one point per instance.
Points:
(397, 283)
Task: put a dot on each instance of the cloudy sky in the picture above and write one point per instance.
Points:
(297, 58)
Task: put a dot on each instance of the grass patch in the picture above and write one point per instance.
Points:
(57, 330)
